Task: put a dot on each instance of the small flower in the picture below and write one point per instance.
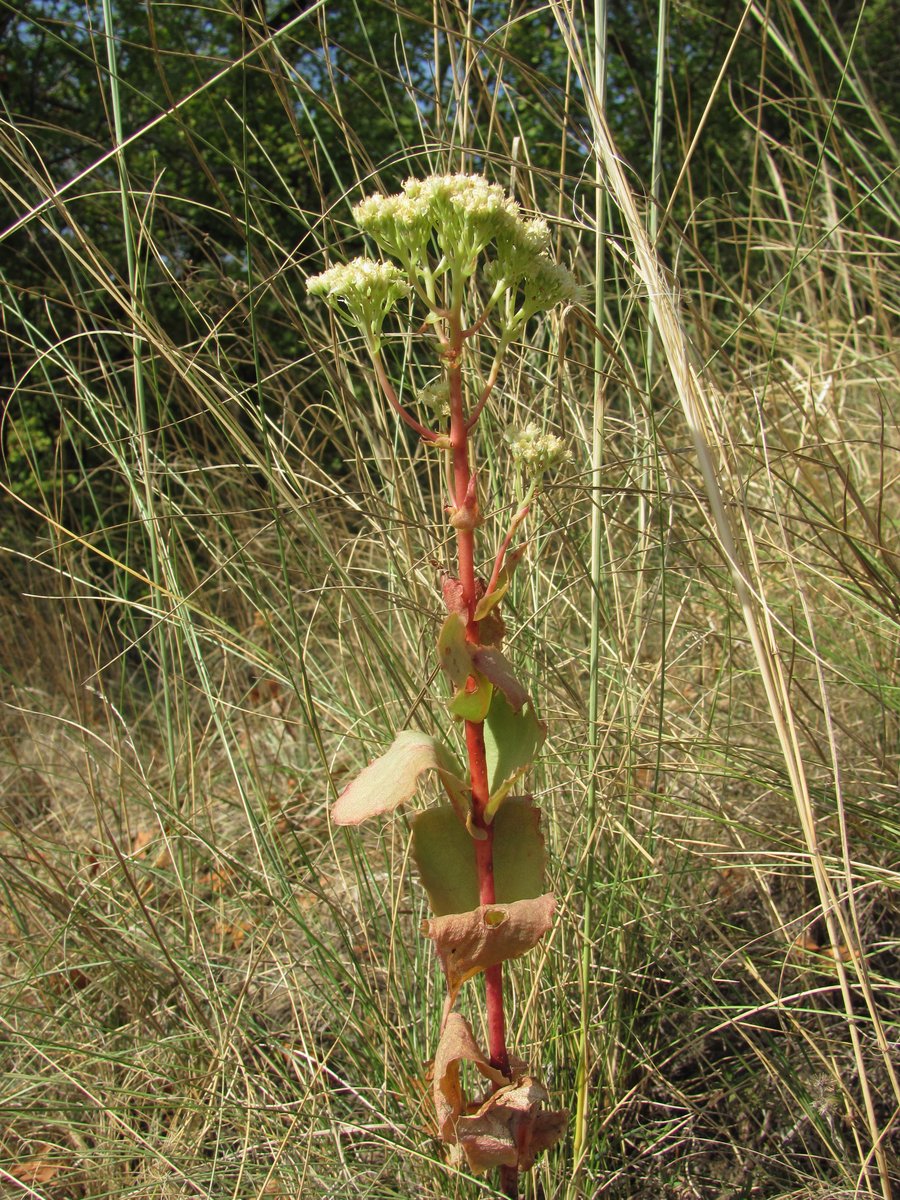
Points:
(436, 395)
(363, 290)
(535, 452)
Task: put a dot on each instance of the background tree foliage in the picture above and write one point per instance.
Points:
(257, 126)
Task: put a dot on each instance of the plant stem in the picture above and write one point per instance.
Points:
(465, 502)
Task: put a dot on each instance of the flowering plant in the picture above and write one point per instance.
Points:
(459, 244)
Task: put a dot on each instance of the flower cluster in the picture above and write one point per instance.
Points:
(439, 227)
(535, 452)
(462, 213)
(363, 290)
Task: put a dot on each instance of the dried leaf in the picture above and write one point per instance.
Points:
(511, 1128)
(457, 1045)
(391, 779)
(36, 1170)
(497, 668)
(445, 855)
(452, 594)
(470, 942)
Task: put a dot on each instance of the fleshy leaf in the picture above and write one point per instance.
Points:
(445, 855)
(472, 698)
(470, 942)
(390, 780)
(496, 667)
(472, 705)
(454, 652)
(457, 1044)
(511, 1128)
(486, 603)
(512, 741)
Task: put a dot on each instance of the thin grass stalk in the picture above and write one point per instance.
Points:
(581, 1143)
(159, 569)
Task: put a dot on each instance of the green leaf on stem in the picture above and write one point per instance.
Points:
(472, 698)
(511, 741)
(504, 579)
(444, 852)
(390, 780)
(454, 652)
(472, 705)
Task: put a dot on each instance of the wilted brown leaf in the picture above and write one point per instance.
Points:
(39, 1169)
(457, 1045)
(511, 1128)
(495, 667)
(492, 933)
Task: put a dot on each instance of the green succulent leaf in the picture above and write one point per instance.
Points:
(445, 854)
(472, 705)
(472, 697)
(487, 603)
(454, 652)
(512, 741)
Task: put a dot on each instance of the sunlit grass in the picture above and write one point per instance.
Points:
(219, 601)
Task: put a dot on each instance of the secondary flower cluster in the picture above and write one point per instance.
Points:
(362, 290)
(536, 452)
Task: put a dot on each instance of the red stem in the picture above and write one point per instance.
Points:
(466, 507)
(387, 387)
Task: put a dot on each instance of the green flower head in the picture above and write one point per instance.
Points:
(459, 214)
(363, 291)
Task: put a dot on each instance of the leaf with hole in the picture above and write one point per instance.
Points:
(472, 696)
(470, 942)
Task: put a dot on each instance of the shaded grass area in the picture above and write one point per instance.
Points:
(219, 601)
